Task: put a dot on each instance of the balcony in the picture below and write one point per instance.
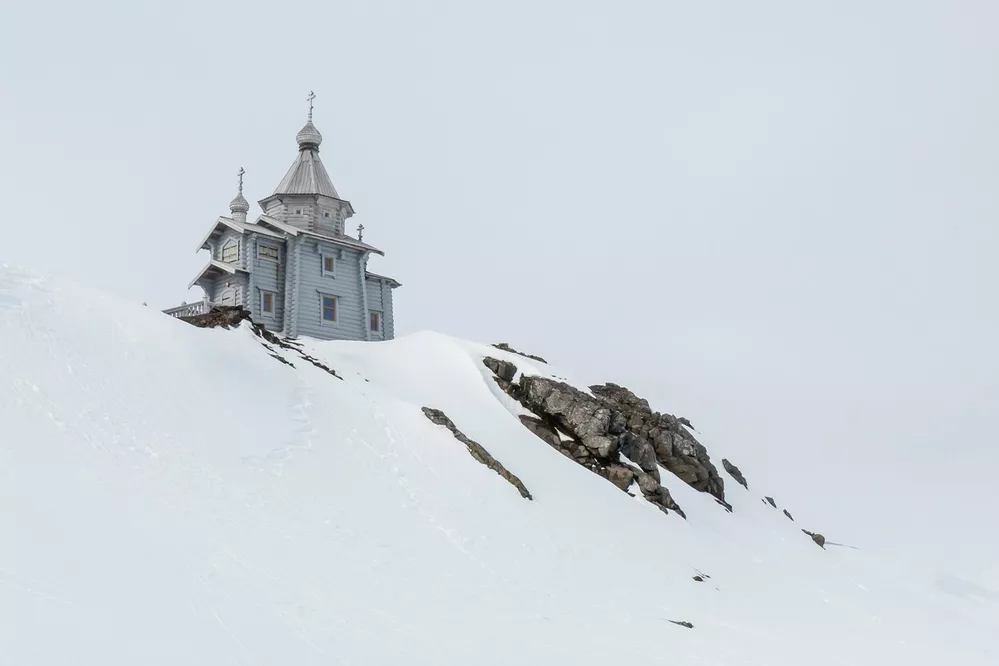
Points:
(191, 309)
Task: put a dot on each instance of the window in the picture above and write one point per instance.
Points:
(326, 214)
(329, 265)
(329, 309)
(375, 321)
(230, 251)
(298, 211)
(267, 252)
(267, 302)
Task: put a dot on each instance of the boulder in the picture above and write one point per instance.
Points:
(817, 538)
(620, 476)
(502, 369)
(638, 450)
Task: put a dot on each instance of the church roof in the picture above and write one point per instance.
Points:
(307, 174)
(223, 223)
(336, 240)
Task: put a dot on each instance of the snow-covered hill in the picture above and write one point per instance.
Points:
(173, 495)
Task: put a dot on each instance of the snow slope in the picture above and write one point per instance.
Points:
(172, 495)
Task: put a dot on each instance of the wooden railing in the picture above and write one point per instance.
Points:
(191, 309)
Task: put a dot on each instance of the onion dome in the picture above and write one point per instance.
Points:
(309, 137)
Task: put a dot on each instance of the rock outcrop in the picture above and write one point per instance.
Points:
(477, 451)
(502, 346)
(788, 514)
(582, 428)
(220, 316)
(735, 473)
(655, 437)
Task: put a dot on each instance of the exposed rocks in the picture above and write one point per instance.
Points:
(291, 346)
(735, 473)
(507, 348)
(502, 369)
(476, 450)
(672, 445)
(220, 316)
(788, 514)
(817, 538)
(683, 623)
(699, 579)
(770, 501)
(581, 428)
(550, 435)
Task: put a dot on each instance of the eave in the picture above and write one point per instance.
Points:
(215, 269)
(368, 275)
(345, 241)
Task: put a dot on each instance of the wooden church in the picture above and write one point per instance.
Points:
(294, 267)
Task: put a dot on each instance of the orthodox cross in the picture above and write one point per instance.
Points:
(360, 232)
(311, 97)
(240, 174)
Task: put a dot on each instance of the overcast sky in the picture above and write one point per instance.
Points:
(779, 218)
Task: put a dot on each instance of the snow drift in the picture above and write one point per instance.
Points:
(173, 495)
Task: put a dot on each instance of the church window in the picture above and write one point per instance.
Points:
(230, 251)
(267, 302)
(329, 265)
(267, 252)
(329, 309)
(375, 321)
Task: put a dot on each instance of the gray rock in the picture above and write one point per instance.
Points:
(502, 369)
(597, 431)
(674, 447)
(638, 450)
(735, 473)
(771, 502)
(620, 476)
(476, 450)
(618, 423)
(541, 429)
(507, 348)
(817, 538)
(788, 514)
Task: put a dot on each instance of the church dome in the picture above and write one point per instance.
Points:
(239, 204)
(309, 137)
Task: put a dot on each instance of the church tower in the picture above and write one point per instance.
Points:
(305, 197)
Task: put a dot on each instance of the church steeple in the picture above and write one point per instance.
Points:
(239, 206)
(305, 197)
(309, 137)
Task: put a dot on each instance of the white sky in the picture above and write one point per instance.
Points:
(778, 218)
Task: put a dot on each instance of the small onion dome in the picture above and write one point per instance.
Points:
(309, 137)
(239, 204)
